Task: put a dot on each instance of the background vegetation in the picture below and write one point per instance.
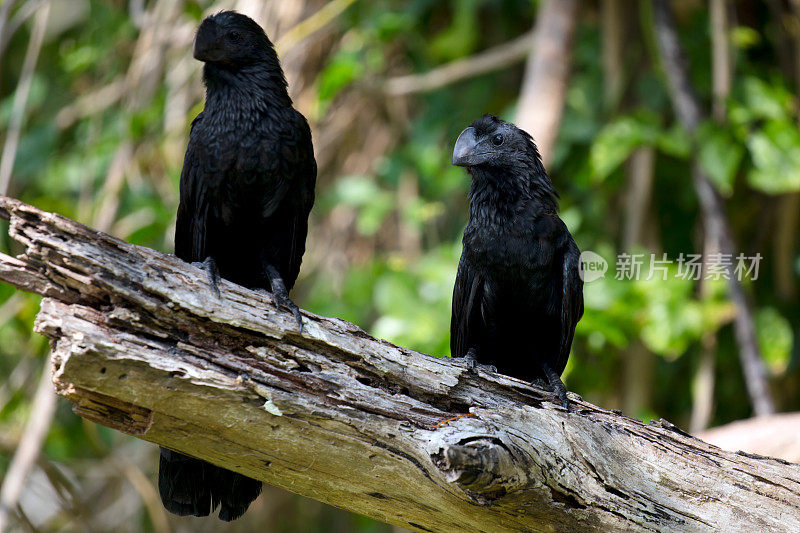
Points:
(102, 108)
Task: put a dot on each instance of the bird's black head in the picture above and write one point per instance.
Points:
(501, 156)
(491, 142)
(232, 40)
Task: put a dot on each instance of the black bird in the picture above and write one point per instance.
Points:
(246, 190)
(518, 293)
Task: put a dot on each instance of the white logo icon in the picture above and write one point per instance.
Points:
(592, 267)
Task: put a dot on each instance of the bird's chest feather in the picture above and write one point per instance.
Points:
(508, 244)
(239, 156)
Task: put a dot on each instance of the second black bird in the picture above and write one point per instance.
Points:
(518, 293)
(246, 190)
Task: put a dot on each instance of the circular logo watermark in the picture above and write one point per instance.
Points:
(592, 266)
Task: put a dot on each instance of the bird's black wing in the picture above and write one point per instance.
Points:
(283, 175)
(466, 321)
(571, 301)
(302, 167)
(193, 209)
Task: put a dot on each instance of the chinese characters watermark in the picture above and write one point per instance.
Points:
(715, 266)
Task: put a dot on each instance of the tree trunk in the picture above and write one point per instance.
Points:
(141, 344)
(544, 87)
(712, 208)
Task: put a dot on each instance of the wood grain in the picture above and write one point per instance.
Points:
(142, 345)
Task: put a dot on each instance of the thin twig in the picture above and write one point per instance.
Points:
(489, 60)
(721, 67)
(5, 11)
(26, 11)
(443, 422)
(11, 307)
(16, 379)
(149, 496)
(44, 404)
(24, 520)
(721, 56)
(89, 104)
(21, 97)
(311, 25)
(109, 196)
(612, 13)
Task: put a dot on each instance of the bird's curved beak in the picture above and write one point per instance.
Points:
(464, 153)
(205, 43)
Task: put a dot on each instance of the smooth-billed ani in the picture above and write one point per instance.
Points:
(518, 294)
(246, 190)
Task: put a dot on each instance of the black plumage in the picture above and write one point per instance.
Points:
(246, 190)
(518, 294)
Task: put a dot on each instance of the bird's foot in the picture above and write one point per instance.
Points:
(554, 384)
(471, 359)
(283, 300)
(542, 384)
(210, 266)
(280, 294)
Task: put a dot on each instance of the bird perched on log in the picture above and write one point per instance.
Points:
(518, 293)
(246, 190)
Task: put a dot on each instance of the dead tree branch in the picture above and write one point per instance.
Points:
(141, 345)
(496, 58)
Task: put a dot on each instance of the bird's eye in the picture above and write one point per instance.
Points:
(234, 36)
(497, 140)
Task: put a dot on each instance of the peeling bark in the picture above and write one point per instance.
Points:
(141, 345)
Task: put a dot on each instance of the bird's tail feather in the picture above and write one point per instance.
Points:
(190, 486)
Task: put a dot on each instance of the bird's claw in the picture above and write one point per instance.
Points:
(280, 295)
(542, 384)
(474, 366)
(553, 384)
(282, 300)
(471, 360)
(562, 395)
(210, 266)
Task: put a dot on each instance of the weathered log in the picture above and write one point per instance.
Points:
(141, 344)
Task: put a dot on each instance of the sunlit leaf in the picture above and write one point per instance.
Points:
(617, 141)
(775, 339)
(675, 142)
(719, 155)
(765, 100)
(775, 151)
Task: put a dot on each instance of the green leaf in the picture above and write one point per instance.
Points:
(458, 40)
(81, 58)
(775, 339)
(355, 190)
(373, 203)
(617, 141)
(344, 68)
(775, 151)
(371, 216)
(766, 101)
(675, 142)
(719, 156)
(744, 37)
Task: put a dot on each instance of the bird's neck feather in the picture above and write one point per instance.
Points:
(254, 88)
(504, 192)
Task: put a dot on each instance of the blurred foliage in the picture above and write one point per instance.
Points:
(385, 237)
